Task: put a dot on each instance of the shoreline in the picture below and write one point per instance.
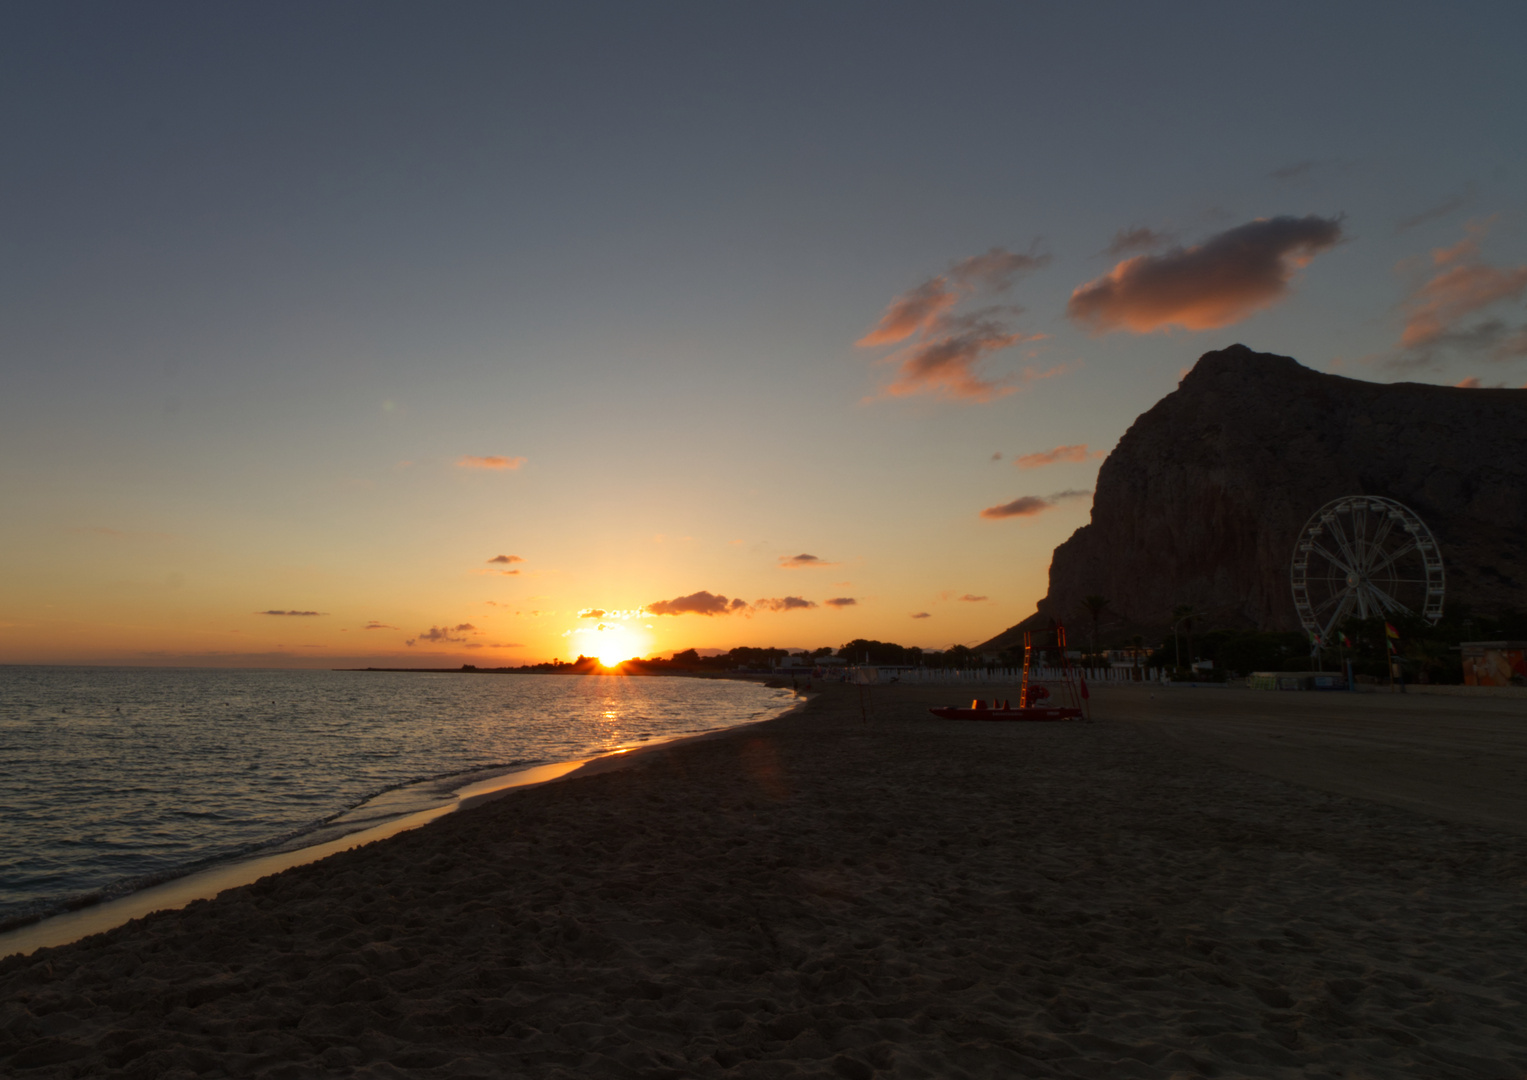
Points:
(821, 896)
(71, 924)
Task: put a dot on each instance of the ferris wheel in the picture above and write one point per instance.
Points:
(1365, 556)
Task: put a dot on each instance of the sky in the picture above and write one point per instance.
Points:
(422, 335)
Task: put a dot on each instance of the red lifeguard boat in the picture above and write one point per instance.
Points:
(1031, 694)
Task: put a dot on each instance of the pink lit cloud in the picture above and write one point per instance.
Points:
(947, 365)
(1030, 505)
(1462, 285)
(944, 351)
(1059, 454)
(1225, 279)
(490, 461)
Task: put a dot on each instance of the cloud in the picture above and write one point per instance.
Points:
(1128, 241)
(444, 634)
(1471, 383)
(799, 562)
(919, 309)
(1294, 171)
(943, 359)
(374, 625)
(699, 603)
(505, 559)
(304, 614)
(946, 364)
(491, 461)
(1039, 460)
(592, 613)
(922, 615)
(1227, 278)
(911, 312)
(784, 603)
(1030, 505)
(996, 270)
(842, 602)
(1432, 213)
(1462, 285)
(971, 598)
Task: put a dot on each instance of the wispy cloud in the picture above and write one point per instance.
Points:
(490, 461)
(922, 615)
(842, 602)
(374, 625)
(944, 359)
(1447, 206)
(1296, 171)
(947, 364)
(698, 603)
(1031, 505)
(1223, 280)
(442, 635)
(505, 559)
(1059, 454)
(971, 598)
(801, 562)
(918, 309)
(303, 614)
(1462, 285)
(1139, 238)
(592, 613)
(911, 313)
(784, 603)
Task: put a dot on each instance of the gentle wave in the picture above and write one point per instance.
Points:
(113, 779)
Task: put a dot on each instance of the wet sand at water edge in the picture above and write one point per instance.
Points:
(1207, 883)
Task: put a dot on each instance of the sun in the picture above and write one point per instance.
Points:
(616, 645)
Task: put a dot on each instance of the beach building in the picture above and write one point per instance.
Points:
(1495, 663)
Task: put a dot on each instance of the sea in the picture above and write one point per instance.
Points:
(113, 779)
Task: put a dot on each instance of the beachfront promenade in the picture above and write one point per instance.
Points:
(1187, 886)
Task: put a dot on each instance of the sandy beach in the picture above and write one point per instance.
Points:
(1195, 884)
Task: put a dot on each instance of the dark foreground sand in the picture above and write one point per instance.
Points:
(814, 897)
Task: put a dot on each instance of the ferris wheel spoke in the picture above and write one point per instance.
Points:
(1385, 601)
(1348, 560)
(1375, 549)
(1400, 552)
(1334, 598)
(1346, 567)
(1339, 617)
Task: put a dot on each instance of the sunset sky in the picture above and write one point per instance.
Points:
(430, 334)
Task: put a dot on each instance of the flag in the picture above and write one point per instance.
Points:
(1391, 632)
(1346, 641)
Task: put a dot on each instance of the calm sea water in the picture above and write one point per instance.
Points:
(114, 777)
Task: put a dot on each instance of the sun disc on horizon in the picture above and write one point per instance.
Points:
(616, 645)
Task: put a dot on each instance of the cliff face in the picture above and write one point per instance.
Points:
(1205, 495)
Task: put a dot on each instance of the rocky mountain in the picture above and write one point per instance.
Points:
(1205, 495)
